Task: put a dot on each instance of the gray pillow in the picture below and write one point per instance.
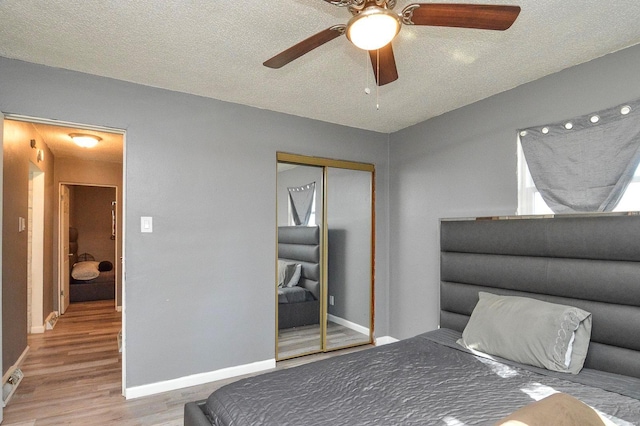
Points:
(295, 278)
(529, 331)
(286, 270)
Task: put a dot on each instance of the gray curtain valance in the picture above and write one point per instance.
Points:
(586, 163)
(301, 198)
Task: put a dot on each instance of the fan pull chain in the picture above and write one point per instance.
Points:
(366, 73)
(366, 87)
(378, 79)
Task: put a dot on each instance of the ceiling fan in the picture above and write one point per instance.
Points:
(374, 25)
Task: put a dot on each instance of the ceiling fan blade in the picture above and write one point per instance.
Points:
(480, 16)
(388, 71)
(305, 46)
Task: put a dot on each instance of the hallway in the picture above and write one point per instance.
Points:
(71, 368)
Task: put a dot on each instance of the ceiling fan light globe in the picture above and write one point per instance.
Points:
(373, 28)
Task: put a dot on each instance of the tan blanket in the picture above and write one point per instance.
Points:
(558, 409)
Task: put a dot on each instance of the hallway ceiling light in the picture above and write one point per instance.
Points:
(84, 140)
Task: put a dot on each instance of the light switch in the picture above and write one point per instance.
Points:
(146, 224)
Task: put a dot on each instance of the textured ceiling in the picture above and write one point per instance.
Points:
(216, 49)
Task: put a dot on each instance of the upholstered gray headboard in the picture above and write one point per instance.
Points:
(302, 245)
(591, 262)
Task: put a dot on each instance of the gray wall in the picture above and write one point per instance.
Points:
(17, 154)
(91, 212)
(464, 164)
(195, 299)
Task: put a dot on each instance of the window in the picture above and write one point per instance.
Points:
(312, 216)
(530, 201)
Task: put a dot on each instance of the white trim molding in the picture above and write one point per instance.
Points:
(15, 374)
(51, 320)
(351, 325)
(385, 340)
(38, 329)
(198, 379)
(16, 365)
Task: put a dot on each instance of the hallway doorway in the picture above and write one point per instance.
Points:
(47, 151)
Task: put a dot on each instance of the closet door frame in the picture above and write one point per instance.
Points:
(326, 163)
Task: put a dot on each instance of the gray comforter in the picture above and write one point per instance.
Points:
(294, 295)
(417, 381)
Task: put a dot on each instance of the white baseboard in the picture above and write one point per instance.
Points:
(15, 366)
(351, 325)
(51, 320)
(198, 379)
(385, 340)
(48, 324)
(10, 385)
(38, 329)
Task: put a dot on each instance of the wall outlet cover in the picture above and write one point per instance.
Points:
(146, 224)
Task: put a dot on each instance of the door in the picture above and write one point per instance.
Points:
(336, 198)
(64, 249)
(349, 245)
(299, 322)
(1, 200)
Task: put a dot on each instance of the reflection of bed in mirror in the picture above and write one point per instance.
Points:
(90, 279)
(299, 303)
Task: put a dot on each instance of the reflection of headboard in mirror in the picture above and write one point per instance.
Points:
(301, 244)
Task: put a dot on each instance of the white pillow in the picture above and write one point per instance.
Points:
(85, 270)
(529, 331)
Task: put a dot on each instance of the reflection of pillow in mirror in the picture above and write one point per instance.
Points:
(285, 272)
(295, 278)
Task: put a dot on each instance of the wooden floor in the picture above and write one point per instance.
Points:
(306, 339)
(73, 377)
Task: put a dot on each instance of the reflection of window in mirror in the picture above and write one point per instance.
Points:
(312, 216)
(301, 202)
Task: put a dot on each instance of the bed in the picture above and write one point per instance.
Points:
(100, 286)
(299, 304)
(582, 264)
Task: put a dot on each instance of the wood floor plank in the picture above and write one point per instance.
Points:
(73, 377)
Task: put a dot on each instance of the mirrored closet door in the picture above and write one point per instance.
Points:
(349, 246)
(325, 246)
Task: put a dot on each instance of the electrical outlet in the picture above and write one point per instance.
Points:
(331, 300)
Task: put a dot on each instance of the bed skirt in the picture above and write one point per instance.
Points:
(92, 291)
(298, 314)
